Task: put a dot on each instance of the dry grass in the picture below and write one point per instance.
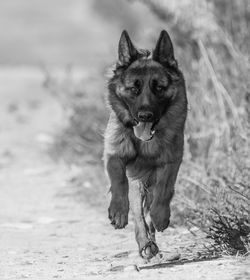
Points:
(213, 190)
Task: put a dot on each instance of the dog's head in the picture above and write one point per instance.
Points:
(143, 87)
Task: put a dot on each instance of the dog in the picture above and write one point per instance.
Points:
(144, 138)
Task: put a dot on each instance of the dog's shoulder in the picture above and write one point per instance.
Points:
(118, 139)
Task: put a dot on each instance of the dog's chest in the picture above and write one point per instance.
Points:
(148, 159)
(150, 149)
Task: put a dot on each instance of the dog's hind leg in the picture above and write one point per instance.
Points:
(147, 246)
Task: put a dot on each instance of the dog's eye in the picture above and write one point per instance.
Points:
(159, 88)
(134, 90)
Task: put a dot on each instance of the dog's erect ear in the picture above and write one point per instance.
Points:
(126, 51)
(164, 51)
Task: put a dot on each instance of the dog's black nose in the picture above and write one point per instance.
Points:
(145, 116)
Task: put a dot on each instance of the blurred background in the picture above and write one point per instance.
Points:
(68, 46)
(60, 32)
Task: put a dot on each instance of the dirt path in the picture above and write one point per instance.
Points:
(45, 233)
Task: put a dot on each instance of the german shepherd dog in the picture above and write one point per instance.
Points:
(144, 138)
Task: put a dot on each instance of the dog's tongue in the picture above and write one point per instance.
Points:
(143, 130)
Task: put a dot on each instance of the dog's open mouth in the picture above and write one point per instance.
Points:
(144, 130)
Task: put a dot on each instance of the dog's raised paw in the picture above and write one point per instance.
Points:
(149, 250)
(118, 213)
(160, 216)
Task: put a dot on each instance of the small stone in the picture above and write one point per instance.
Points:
(121, 255)
(131, 268)
(117, 268)
(171, 257)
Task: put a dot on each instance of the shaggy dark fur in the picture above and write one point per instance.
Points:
(144, 90)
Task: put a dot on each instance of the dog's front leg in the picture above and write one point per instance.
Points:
(162, 195)
(119, 205)
(147, 246)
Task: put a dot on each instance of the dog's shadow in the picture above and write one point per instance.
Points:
(160, 261)
(175, 262)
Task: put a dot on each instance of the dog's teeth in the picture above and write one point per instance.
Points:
(152, 132)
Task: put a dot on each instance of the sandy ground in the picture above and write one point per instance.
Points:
(45, 231)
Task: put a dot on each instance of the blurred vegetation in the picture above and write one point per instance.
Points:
(212, 43)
